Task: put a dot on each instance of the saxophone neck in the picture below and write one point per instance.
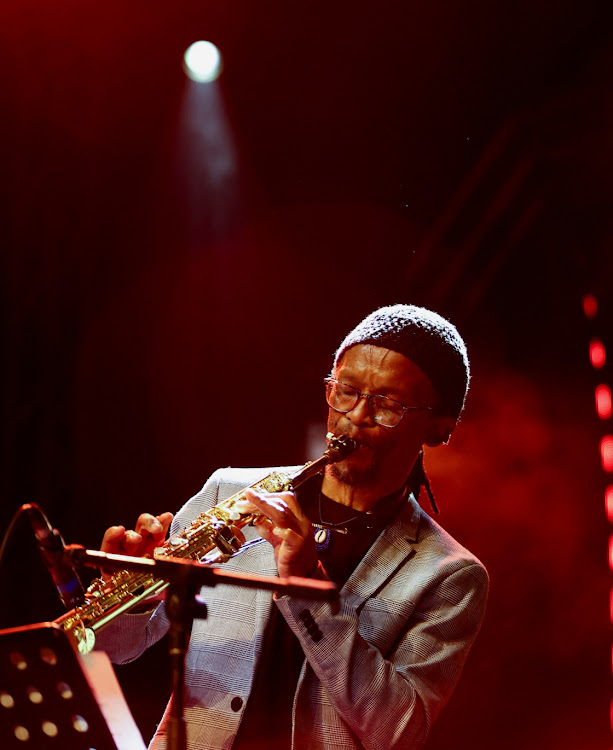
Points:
(310, 469)
(338, 449)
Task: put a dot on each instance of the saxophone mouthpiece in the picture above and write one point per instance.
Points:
(339, 447)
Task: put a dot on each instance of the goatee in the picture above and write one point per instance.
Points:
(352, 476)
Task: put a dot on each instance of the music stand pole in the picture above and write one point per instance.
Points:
(182, 607)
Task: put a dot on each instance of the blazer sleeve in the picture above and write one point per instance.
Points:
(386, 697)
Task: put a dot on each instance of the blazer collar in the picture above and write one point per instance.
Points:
(392, 548)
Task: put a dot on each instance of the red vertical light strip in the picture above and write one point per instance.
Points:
(590, 306)
(608, 499)
(606, 453)
(604, 408)
(602, 396)
(598, 354)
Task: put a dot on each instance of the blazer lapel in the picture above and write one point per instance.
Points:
(391, 549)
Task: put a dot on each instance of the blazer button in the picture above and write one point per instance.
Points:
(236, 704)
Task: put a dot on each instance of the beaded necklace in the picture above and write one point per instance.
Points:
(323, 530)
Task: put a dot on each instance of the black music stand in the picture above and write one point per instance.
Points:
(52, 698)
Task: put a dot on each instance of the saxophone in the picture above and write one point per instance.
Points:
(213, 537)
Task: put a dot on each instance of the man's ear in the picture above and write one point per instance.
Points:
(439, 430)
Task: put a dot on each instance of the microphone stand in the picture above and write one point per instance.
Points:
(185, 578)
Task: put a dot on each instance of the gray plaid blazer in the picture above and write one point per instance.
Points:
(380, 663)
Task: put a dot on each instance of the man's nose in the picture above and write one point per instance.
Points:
(360, 414)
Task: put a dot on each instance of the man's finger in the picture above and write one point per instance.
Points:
(132, 542)
(112, 539)
(275, 508)
(165, 519)
(148, 524)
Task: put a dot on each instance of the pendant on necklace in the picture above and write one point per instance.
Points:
(322, 539)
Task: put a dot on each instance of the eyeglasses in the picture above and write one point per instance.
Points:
(384, 411)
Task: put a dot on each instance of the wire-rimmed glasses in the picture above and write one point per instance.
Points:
(384, 410)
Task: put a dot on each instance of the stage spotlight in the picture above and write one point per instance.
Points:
(202, 62)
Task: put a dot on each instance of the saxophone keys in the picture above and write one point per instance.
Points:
(174, 543)
(95, 589)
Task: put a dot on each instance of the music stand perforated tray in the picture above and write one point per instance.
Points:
(49, 697)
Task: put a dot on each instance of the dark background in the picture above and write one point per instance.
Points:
(180, 260)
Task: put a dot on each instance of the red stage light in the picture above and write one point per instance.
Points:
(590, 306)
(611, 551)
(606, 452)
(598, 354)
(603, 401)
(608, 500)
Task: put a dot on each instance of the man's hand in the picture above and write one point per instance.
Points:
(149, 533)
(285, 526)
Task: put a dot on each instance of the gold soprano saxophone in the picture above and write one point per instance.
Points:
(213, 537)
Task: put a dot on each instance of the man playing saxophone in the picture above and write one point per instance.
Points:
(373, 669)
